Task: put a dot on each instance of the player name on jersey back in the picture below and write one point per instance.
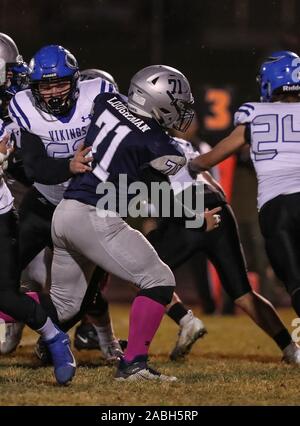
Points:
(122, 108)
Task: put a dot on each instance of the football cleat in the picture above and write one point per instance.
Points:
(12, 335)
(85, 337)
(191, 329)
(42, 352)
(62, 357)
(291, 354)
(138, 370)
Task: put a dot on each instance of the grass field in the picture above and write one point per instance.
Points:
(235, 364)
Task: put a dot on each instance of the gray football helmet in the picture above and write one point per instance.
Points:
(162, 93)
(91, 73)
(9, 54)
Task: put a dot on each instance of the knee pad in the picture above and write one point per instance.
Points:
(161, 294)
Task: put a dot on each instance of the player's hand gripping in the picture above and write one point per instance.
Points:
(5, 150)
(4, 147)
(212, 218)
(80, 161)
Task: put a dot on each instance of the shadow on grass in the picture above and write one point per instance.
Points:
(218, 356)
(266, 359)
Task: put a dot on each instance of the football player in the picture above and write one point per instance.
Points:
(175, 244)
(272, 130)
(124, 139)
(89, 334)
(100, 335)
(14, 78)
(54, 115)
(13, 303)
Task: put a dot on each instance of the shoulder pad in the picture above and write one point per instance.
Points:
(244, 114)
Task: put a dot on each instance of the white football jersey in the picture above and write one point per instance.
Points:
(190, 152)
(61, 136)
(275, 146)
(6, 199)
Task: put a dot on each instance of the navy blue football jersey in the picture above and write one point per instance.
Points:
(122, 143)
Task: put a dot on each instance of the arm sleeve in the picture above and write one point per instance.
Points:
(38, 166)
(16, 168)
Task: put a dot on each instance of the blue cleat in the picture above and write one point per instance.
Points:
(62, 357)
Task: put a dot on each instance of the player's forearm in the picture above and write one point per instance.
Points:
(39, 167)
(220, 152)
(206, 161)
(48, 171)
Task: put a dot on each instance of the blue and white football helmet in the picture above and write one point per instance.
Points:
(53, 64)
(19, 79)
(280, 73)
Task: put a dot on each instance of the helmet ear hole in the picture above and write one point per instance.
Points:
(165, 111)
(71, 61)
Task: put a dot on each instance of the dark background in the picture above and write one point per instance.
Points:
(216, 43)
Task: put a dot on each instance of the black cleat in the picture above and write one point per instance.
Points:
(42, 352)
(86, 337)
(138, 370)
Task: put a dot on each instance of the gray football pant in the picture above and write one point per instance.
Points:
(82, 240)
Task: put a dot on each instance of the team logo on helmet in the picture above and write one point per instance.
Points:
(296, 72)
(71, 61)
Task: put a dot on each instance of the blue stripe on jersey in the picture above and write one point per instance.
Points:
(21, 112)
(244, 110)
(248, 106)
(102, 87)
(110, 88)
(16, 117)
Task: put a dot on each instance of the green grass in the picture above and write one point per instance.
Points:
(235, 364)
